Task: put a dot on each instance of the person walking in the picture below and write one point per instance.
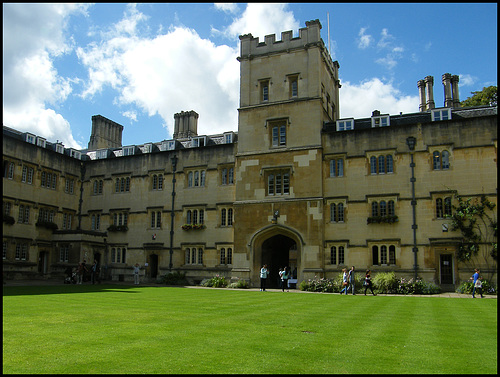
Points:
(368, 282)
(284, 279)
(477, 283)
(351, 280)
(94, 271)
(263, 277)
(344, 281)
(80, 271)
(136, 268)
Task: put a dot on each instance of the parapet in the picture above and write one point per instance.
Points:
(309, 35)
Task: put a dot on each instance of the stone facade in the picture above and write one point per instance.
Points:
(295, 186)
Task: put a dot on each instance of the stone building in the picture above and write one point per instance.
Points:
(295, 186)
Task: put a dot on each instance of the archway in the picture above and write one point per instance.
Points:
(278, 252)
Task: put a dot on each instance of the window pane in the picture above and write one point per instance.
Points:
(383, 254)
(275, 136)
(436, 160)
(341, 254)
(223, 217)
(340, 212)
(389, 163)
(373, 165)
(381, 164)
(374, 209)
(332, 168)
(446, 159)
(439, 208)
(333, 255)
(340, 165)
(392, 254)
(282, 135)
(383, 208)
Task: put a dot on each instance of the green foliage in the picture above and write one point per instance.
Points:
(474, 219)
(385, 282)
(239, 283)
(487, 96)
(216, 282)
(174, 278)
(467, 287)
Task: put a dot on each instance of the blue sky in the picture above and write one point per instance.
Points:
(139, 64)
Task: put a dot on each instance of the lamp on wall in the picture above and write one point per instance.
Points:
(411, 142)
(172, 214)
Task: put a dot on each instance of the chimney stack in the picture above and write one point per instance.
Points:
(429, 82)
(186, 124)
(421, 91)
(454, 91)
(446, 79)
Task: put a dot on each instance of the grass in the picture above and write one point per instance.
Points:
(120, 329)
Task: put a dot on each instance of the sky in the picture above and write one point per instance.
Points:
(139, 64)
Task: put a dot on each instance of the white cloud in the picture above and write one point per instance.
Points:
(364, 39)
(33, 37)
(359, 100)
(466, 80)
(263, 19)
(227, 7)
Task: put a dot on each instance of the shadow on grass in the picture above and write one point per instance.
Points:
(65, 289)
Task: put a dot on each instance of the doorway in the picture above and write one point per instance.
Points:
(153, 265)
(446, 268)
(43, 262)
(277, 252)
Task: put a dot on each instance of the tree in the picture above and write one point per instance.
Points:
(487, 96)
(476, 220)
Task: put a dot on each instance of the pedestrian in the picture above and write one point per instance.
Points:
(344, 281)
(351, 280)
(477, 283)
(136, 268)
(80, 271)
(284, 279)
(263, 277)
(94, 271)
(368, 282)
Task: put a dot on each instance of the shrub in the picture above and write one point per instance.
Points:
(174, 278)
(467, 287)
(238, 284)
(385, 282)
(216, 282)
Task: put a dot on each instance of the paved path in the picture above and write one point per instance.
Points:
(19, 283)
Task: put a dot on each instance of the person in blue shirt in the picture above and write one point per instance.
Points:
(476, 281)
(263, 276)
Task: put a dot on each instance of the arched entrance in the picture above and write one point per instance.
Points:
(278, 252)
(277, 246)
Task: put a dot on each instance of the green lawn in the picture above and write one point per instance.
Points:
(121, 329)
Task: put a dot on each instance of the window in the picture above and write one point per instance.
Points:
(46, 215)
(156, 219)
(382, 164)
(279, 135)
(441, 114)
(228, 137)
(122, 184)
(196, 178)
(381, 121)
(48, 180)
(227, 176)
(60, 149)
(4, 255)
(383, 254)
(226, 256)
(120, 218)
(9, 169)
(337, 255)
(194, 255)
(128, 151)
(41, 142)
(75, 154)
(67, 220)
(264, 91)
(441, 160)
(443, 207)
(345, 124)
(102, 153)
(337, 167)
(22, 250)
(27, 175)
(157, 182)
(64, 253)
(70, 186)
(384, 208)
(30, 138)
(6, 208)
(195, 216)
(293, 82)
(118, 254)
(226, 217)
(24, 214)
(278, 182)
(95, 222)
(337, 212)
(97, 187)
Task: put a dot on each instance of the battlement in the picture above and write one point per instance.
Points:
(309, 35)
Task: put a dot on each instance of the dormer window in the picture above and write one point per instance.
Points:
(30, 138)
(101, 153)
(228, 138)
(381, 121)
(59, 148)
(40, 141)
(345, 124)
(198, 141)
(75, 154)
(128, 151)
(148, 148)
(441, 114)
(168, 145)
